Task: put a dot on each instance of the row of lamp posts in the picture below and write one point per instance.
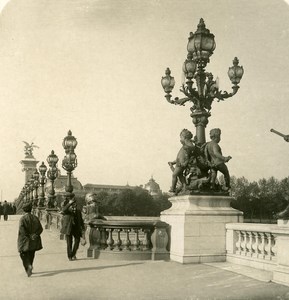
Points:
(39, 177)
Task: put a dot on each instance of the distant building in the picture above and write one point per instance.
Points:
(60, 183)
(153, 188)
(110, 189)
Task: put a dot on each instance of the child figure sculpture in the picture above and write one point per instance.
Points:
(182, 160)
(216, 159)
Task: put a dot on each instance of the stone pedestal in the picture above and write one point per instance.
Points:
(29, 166)
(197, 222)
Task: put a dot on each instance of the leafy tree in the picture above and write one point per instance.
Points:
(260, 199)
(136, 202)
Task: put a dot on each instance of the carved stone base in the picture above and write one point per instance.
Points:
(197, 224)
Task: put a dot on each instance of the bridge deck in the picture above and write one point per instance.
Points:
(54, 277)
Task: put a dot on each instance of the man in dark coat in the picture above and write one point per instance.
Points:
(29, 239)
(5, 210)
(1, 210)
(72, 227)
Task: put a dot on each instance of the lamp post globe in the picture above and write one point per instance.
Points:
(69, 142)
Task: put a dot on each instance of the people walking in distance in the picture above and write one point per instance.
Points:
(216, 160)
(72, 226)
(1, 210)
(5, 210)
(14, 209)
(29, 239)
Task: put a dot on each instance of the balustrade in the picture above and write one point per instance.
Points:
(128, 239)
(256, 244)
(125, 239)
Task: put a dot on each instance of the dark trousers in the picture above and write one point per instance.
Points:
(72, 246)
(27, 258)
(5, 217)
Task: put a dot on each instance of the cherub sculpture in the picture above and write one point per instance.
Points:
(91, 209)
(28, 149)
(216, 159)
(196, 166)
(179, 165)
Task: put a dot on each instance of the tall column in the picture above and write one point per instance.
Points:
(28, 167)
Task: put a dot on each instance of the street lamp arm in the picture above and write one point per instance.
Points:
(181, 101)
(189, 91)
(176, 101)
(220, 95)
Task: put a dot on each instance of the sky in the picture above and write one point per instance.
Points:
(94, 67)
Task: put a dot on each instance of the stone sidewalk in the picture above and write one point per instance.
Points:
(56, 278)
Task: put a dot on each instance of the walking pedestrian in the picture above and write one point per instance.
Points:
(29, 239)
(5, 210)
(72, 227)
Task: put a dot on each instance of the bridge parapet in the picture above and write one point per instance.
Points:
(128, 239)
(121, 238)
(261, 246)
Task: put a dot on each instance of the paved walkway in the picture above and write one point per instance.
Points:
(56, 278)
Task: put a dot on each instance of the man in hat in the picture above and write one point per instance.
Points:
(29, 239)
(72, 226)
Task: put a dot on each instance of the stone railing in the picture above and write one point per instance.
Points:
(128, 239)
(50, 218)
(261, 246)
(123, 238)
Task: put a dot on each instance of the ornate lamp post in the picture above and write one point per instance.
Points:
(31, 188)
(36, 185)
(201, 46)
(52, 173)
(42, 170)
(26, 189)
(69, 162)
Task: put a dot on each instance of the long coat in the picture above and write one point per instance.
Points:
(5, 208)
(72, 222)
(29, 233)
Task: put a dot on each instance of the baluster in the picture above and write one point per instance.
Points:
(249, 244)
(127, 242)
(146, 241)
(103, 242)
(243, 242)
(110, 240)
(255, 244)
(274, 247)
(238, 243)
(268, 246)
(118, 241)
(136, 243)
(261, 246)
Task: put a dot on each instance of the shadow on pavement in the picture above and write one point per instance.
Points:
(56, 272)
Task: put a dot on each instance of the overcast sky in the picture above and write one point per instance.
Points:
(94, 66)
